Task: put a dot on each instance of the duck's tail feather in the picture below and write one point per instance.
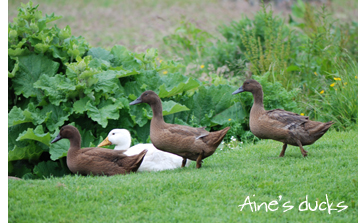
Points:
(138, 161)
(318, 129)
(215, 138)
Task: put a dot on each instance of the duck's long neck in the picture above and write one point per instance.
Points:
(157, 110)
(258, 105)
(75, 142)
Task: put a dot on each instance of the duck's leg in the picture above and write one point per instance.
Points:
(183, 163)
(282, 154)
(199, 160)
(304, 152)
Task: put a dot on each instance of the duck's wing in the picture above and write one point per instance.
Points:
(187, 131)
(284, 118)
(103, 155)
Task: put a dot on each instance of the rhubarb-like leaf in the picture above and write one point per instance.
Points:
(36, 134)
(175, 84)
(31, 67)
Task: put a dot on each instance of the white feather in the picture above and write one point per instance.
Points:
(154, 160)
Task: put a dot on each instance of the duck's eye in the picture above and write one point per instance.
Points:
(113, 133)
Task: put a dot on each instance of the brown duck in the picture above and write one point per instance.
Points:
(185, 141)
(96, 161)
(280, 125)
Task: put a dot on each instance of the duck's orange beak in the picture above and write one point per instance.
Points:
(105, 142)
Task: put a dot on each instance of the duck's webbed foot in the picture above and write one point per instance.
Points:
(282, 154)
(183, 163)
(199, 160)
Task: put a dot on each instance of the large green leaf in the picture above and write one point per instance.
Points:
(30, 114)
(231, 114)
(107, 81)
(139, 114)
(123, 57)
(109, 110)
(100, 53)
(56, 88)
(37, 135)
(170, 107)
(29, 152)
(24, 149)
(31, 67)
(13, 133)
(16, 116)
(207, 102)
(146, 80)
(58, 116)
(47, 169)
(79, 106)
(175, 84)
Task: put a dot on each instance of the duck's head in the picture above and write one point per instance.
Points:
(249, 85)
(149, 97)
(121, 138)
(66, 132)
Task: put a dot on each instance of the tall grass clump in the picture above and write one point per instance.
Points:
(271, 51)
(338, 101)
(318, 44)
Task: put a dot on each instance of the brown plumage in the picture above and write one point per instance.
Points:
(96, 161)
(280, 125)
(185, 141)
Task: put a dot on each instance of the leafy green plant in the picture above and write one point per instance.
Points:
(57, 79)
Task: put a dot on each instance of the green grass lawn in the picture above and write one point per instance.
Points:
(210, 194)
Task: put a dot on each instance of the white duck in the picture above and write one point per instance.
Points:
(154, 160)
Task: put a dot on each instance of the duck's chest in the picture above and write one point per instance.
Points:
(259, 127)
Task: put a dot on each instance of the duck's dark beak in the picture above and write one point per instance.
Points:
(241, 89)
(58, 137)
(136, 101)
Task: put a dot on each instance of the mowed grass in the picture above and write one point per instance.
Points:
(210, 194)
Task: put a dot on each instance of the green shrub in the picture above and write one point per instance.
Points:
(57, 79)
